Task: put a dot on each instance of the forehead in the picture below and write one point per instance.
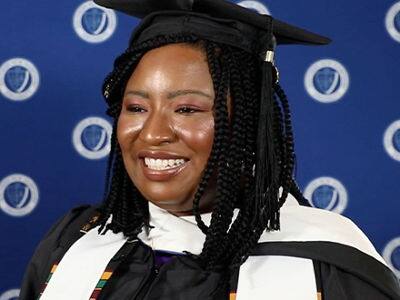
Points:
(173, 64)
(180, 55)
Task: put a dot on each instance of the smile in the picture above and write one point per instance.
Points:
(163, 164)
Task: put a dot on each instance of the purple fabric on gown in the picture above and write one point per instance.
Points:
(163, 257)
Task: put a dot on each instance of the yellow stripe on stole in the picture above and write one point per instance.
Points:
(319, 296)
(232, 296)
(106, 275)
(53, 268)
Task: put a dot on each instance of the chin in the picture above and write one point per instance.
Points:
(167, 200)
(173, 206)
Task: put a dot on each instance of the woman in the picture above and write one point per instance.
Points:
(200, 171)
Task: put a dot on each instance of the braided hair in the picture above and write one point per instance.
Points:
(235, 72)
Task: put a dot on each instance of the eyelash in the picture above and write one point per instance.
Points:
(187, 110)
(135, 109)
(183, 109)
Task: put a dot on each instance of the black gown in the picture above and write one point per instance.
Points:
(341, 271)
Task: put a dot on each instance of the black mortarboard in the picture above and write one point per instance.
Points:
(227, 23)
(215, 20)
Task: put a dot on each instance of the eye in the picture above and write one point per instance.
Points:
(135, 109)
(187, 110)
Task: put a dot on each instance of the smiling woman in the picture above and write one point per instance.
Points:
(166, 125)
(201, 201)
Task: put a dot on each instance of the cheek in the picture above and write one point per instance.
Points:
(197, 134)
(128, 130)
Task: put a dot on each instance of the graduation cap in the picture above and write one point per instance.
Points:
(227, 23)
(228, 15)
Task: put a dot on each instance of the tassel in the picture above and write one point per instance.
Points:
(266, 175)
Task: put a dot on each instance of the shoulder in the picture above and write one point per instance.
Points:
(52, 246)
(67, 229)
(72, 221)
(341, 271)
(308, 224)
(334, 242)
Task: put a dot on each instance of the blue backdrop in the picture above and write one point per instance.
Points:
(54, 133)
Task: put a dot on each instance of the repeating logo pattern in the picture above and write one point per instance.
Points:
(255, 5)
(327, 193)
(93, 23)
(326, 80)
(391, 140)
(391, 254)
(392, 21)
(10, 295)
(91, 137)
(19, 195)
(19, 79)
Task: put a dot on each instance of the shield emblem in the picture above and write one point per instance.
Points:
(324, 197)
(94, 137)
(396, 22)
(326, 80)
(395, 258)
(17, 194)
(17, 79)
(396, 140)
(94, 21)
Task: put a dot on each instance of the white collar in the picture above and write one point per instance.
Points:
(177, 234)
(172, 233)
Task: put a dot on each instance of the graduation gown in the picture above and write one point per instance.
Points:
(316, 255)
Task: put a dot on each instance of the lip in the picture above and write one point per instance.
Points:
(161, 175)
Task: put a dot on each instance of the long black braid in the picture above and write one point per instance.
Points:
(235, 73)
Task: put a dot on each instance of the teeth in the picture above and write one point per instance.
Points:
(162, 164)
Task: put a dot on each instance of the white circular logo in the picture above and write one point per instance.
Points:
(255, 5)
(326, 80)
(91, 137)
(327, 193)
(392, 21)
(391, 254)
(93, 23)
(10, 295)
(19, 79)
(391, 140)
(19, 195)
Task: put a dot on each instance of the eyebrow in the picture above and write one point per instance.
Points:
(138, 93)
(171, 95)
(187, 92)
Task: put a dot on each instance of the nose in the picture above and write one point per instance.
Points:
(157, 129)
